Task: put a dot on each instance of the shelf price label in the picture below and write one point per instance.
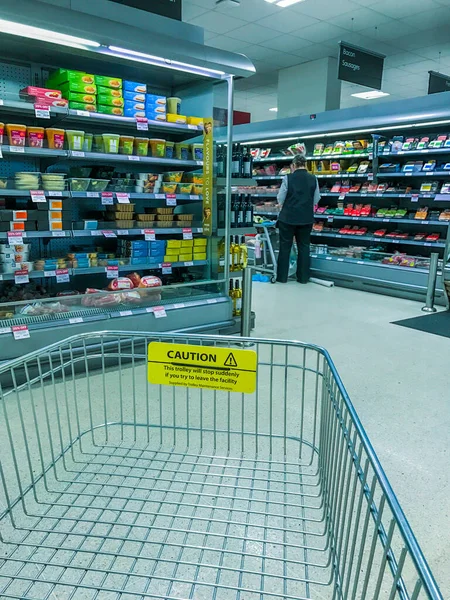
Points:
(187, 234)
(82, 113)
(159, 312)
(188, 263)
(171, 199)
(341, 197)
(179, 305)
(112, 272)
(55, 194)
(17, 149)
(92, 194)
(77, 153)
(369, 176)
(414, 197)
(166, 268)
(142, 123)
(75, 320)
(37, 196)
(22, 276)
(149, 235)
(20, 332)
(107, 198)
(123, 198)
(122, 232)
(62, 276)
(194, 197)
(49, 273)
(160, 196)
(42, 111)
(15, 237)
(135, 158)
(109, 234)
(125, 313)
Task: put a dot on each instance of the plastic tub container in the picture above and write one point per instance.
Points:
(173, 176)
(98, 185)
(27, 181)
(182, 151)
(35, 137)
(2, 130)
(169, 188)
(111, 142)
(197, 189)
(53, 182)
(16, 134)
(88, 141)
(75, 139)
(55, 138)
(174, 105)
(78, 184)
(98, 145)
(141, 146)
(184, 188)
(170, 149)
(126, 144)
(158, 147)
(197, 151)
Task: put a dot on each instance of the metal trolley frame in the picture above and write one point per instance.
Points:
(113, 488)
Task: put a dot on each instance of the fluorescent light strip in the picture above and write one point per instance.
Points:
(348, 132)
(274, 109)
(46, 35)
(370, 95)
(158, 61)
(284, 3)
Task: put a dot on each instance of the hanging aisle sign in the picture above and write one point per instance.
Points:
(438, 82)
(360, 66)
(208, 172)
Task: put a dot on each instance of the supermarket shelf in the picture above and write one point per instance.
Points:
(135, 196)
(310, 157)
(263, 213)
(271, 195)
(20, 193)
(235, 182)
(144, 267)
(382, 220)
(415, 174)
(99, 233)
(238, 231)
(39, 234)
(359, 261)
(332, 176)
(271, 177)
(34, 152)
(407, 153)
(372, 238)
(122, 158)
(26, 108)
(385, 196)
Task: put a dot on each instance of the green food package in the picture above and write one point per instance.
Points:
(83, 106)
(78, 88)
(110, 110)
(104, 91)
(82, 98)
(65, 75)
(109, 82)
(110, 100)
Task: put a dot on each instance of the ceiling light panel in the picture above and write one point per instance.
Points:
(45, 35)
(284, 3)
(370, 95)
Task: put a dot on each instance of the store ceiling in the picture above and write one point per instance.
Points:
(413, 34)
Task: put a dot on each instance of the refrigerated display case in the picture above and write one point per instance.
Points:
(385, 187)
(93, 197)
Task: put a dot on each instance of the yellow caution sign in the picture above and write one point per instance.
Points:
(207, 367)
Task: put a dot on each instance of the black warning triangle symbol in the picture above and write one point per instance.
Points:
(231, 361)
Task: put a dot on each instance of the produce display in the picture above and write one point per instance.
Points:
(373, 254)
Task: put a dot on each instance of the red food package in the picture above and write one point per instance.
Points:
(150, 281)
(120, 283)
(132, 297)
(107, 300)
(135, 279)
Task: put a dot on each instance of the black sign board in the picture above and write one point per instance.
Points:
(438, 83)
(361, 66)
(165, 8)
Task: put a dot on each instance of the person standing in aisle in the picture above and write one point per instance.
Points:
(298, 194)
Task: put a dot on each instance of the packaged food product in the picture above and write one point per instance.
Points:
(173, 176)
(174, 118)
(197, 189)
(141, 146)
(78, 88)
(98, 185)
(55, 138)
(111, 143)
(108, 100)
(53, 182)
(110, 110)
(35, 137)
(154, 99)
(88, 139)
(199, 255)
(184, 188)
(126, 144)
(98, 145)
(169, 188)
(68, 75)
(134, 97)
(197, 151)
(83, 106)
(182, 151)
(158, 147)
(109, 82)
(16, 134)
(195, 177)
(170, 148)
(110, 92)
(26, 181)
(120, 283)
(150, 281)
(79, 185)
(2, 129)
(133, 105)
(195, 121)
(132, 86)
(81, 97)
(174, 105)
(75, 139)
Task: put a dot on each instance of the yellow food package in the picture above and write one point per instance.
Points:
(199, 255)
(170, 258)
(175, 251)
(180, 119)
(185, 257)
(187, 243)
(173, 244)
(195, 121)
(200, 242)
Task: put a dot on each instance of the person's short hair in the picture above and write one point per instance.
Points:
(299, 161)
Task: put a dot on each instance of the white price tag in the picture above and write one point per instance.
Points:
(427, 244)
(166, 268)
(159, 312)
(15, 237)
(94, 232)
(179, 305)
(4, 330)
(82, 113)
(122, 232)
(187, 234)
(200, 163)
(125, 313)
(1, 153)
(17, 149)
(141, 124)
(77, 153)
(408, 174)
(160, 196)
(107, 198)
(341, 197)
(21, 277)
(369, 176)
(20, 332)
(92, 194)
(149, 235)
(123, 198)
(109, 234)
(340, 260)
(194, 197)
(41, 111)
(328, 258)
(76, 320)
(359, 262)
(211, 301)
(386, 220)
(62, 276)
(58, 234)
(171, 200)
(55, 194)
(37, 196)
(135, 158)
(415, 198)
(112, 272)
(49, 273)
(193, 127)
(188, 263)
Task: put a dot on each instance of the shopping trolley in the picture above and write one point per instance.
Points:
(115, 488)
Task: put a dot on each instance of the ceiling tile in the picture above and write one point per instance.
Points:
(435, 51)
(191, 11)
(317, 51)
(248, 10)
(360, 19)
(261, 53)
(388, 31)
(288, 21)
(324, 9)
(254, 34)
(217, 23)
(288, 43)
(226, 43)
(401, 59)
(207, 4)
(437, 17)
(423, 40)
(420, 67)
(321, 32)
(398, 9)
